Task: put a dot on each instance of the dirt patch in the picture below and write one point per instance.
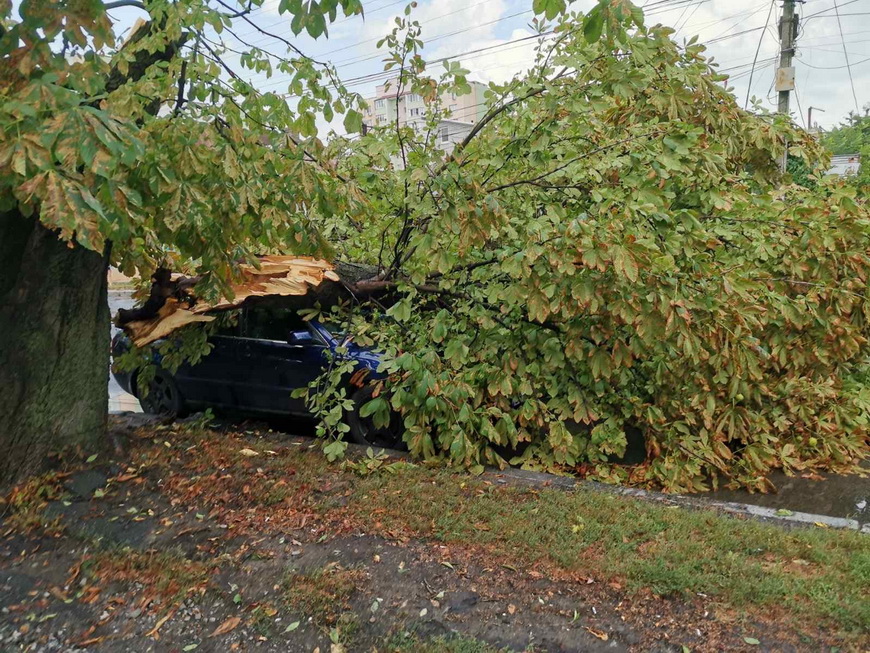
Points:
(189, 542)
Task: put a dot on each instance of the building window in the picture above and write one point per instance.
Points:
(415, 111)
(379, 104)
(452, 108)
(414, 98)
(444, 134)
(453, 96)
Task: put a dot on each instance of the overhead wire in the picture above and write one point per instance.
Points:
(353, 61)
(846, 55)
(757, 50)
(836, 67)
(284, 20)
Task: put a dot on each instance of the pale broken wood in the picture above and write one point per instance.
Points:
(170, 317)
(276, 276)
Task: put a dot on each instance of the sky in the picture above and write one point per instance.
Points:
(733, 29)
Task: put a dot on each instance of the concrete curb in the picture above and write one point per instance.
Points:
(542, 479)
(517, 476)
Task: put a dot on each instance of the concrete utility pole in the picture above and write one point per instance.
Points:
(788, 25)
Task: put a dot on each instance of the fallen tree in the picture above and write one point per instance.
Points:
(613, 245)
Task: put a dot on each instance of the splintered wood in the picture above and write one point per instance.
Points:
(276, 276)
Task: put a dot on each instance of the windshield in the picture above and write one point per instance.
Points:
(335, 330)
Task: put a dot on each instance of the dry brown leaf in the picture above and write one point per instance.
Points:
(153, 632)
(597, 633)
(250, 453)
(512, 608)
(58, 593)
(230, 624)
(90, 642)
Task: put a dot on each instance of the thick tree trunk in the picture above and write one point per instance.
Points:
(54, 346)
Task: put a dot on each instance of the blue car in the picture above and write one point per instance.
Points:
(255, 365)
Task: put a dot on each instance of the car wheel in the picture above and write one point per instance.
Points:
(163, 396)
(363, 430)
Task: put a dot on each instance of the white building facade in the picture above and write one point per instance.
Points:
(391, 103)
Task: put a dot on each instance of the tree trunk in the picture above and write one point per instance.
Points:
(54, 346)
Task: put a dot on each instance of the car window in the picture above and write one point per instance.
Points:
(271, 323)
(227, 324)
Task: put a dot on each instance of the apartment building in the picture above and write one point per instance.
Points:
(463, 111)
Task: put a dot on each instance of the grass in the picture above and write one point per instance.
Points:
(321, 594)
(166, 575)
(409, 643)
(810, 573)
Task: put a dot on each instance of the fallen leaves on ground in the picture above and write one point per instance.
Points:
(230, 624)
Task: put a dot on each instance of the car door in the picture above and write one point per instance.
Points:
(210, 381)
(276, 363)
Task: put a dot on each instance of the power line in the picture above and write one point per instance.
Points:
(718, 21)
(757, 50)
(355, 60)
(373, 77)
(376, 39)
(742, 20)
(689, 17)
(363, 15)
(818, 48)
(846, 54)
(800, 109)
(835, 67)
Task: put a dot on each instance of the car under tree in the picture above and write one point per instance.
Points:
(258, 357)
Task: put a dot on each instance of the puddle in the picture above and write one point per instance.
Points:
(838, 496)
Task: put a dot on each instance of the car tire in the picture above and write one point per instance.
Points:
(163, 396)
(363, 430)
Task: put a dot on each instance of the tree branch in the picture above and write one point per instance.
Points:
(533, 181)
(117, 4)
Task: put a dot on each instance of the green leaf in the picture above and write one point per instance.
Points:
(752, 641)
(373, 406)
(550, 8)
(291, 627)
(593, 23)
(401, 310)
(91, 458)
(353, 121)
(335, 450)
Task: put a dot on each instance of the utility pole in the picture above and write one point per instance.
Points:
(788, 25)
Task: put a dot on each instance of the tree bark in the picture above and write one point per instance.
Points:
(54, 346)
